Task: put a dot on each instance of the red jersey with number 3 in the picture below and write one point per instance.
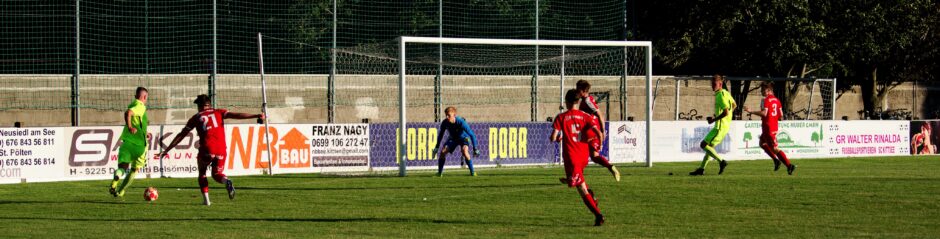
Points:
(572, 124)
(772, 106)
(210, 126)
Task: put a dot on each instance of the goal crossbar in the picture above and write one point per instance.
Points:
(490, 41)
(404, 40)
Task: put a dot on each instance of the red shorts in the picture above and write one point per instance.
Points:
(574, 171)
(594, 143)
(769, 138)
(217, 161)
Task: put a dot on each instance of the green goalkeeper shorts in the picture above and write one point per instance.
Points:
(134, 155)
(715, 136)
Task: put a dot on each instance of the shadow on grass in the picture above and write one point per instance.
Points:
(3, 202)
(455, 173)
(449, 186)
(323, 220)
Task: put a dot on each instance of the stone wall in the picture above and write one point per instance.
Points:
(43, 100)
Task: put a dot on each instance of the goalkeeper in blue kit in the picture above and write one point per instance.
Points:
(460, 135)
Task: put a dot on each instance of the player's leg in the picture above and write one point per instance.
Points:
(569, 171)
(710, 149)
(701, 168)
(442, 157)
(772, 143)
(587, 196)
(203, 163)
(770, 151)
(773, 155)
(138, 158)
(707, 146)
(124, 161)
(465, 149)
(596, 157)
(122, 169)
(786, 161)
(218, 174)
(768, 141)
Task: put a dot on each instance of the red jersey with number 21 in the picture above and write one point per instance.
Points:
(210, 126)
(772, 105)
(572, 124)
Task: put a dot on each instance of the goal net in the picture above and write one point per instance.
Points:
(502, 87)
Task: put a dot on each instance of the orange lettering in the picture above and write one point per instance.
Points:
(238, 143)
(262, 146)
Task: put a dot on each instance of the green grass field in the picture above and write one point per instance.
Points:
(897, 197)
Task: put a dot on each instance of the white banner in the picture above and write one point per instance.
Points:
(93, 153)
(299, 148)
(34, 154)
(626, 142)
(340, 145)
(181, 160)
(678, 141)
(798, 139)
(868, 138)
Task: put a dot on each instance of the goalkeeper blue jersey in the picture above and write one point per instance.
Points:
(458, 130)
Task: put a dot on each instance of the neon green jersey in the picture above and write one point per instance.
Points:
(724, 101)
(138, 120)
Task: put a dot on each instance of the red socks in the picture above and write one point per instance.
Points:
(600, 159)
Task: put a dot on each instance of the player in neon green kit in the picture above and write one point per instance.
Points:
(133, 153)
(724, 106)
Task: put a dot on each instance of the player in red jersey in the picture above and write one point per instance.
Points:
(770, 113)
(210, 125)
(589, 105)
(569, 127)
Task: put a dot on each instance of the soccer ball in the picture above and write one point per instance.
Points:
(151, 194)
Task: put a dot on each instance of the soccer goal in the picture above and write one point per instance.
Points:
(501, 81)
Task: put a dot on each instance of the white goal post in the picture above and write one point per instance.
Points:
(404, 41)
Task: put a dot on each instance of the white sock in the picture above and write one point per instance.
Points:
(205, 199)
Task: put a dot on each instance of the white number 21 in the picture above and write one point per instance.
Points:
(205, 121)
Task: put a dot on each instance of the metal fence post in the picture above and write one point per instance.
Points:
(215, 52)
(76, 109)
(331, 82)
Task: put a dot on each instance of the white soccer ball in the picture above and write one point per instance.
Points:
(151, 194)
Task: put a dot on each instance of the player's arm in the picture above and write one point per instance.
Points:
(599, 132)
(556, 136)
(128, 115)
(440, 135)
(192, 123)
(596, 111)
(236, 115)
(724, 113)
(762, 113)
(440, 132)
(556, 131)
(473, 137)
(600, 119)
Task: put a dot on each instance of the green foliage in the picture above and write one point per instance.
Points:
(873, 43)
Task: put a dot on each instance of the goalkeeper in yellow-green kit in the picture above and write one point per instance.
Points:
(724, 106)
(132, 156)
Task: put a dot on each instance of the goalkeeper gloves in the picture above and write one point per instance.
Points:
(476, 152)
(434, 151)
